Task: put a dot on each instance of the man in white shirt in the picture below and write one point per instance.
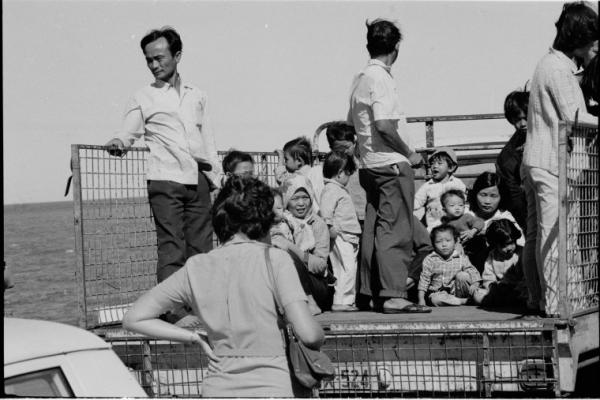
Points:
(555, 96)
(385, 173)
(182, 166)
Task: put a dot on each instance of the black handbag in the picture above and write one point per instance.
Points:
(307, 366)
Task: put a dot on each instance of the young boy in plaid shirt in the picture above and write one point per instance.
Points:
(448, 278)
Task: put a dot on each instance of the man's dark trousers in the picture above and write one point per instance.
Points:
(387, 241)
(182, 214)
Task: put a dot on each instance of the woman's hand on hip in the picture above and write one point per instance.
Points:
(213, 359)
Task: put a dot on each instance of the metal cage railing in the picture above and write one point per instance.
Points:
(422, 362)
(116, 239)
(116, 262)
(578, 241)
(114, 230)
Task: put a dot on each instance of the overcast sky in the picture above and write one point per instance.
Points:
(272, 70)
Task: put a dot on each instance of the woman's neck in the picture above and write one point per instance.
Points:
(242, 237)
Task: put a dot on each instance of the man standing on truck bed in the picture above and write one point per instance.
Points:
(385, 173)
(183, 166)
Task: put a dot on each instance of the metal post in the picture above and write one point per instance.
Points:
(78, 225)
(563, 205)
(555, 361)
(147, 378)
(429, 133)
(485, 375)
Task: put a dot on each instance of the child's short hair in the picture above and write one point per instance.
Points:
(233, 158)
(340, 131)
(502, 231)
(515, 103)
(452, 192)
(299, 148)
(276, 192)
(335, 162)
(443, 228)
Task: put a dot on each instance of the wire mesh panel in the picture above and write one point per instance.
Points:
(417, 363)
(466, 363)
(118, 239)
(115, 231)
(581, 235)
(163, 368)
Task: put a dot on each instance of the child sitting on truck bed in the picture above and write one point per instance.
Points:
(467, 224)
(503, 280)
(448, 278)
(443, 164)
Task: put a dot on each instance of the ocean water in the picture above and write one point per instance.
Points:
(39, 251)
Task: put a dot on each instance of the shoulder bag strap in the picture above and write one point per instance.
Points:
(272, 279)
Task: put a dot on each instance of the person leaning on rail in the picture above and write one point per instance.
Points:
(232, 293)
(183, 166)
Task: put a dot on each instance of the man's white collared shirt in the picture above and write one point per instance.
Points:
(176, 129)
(374, 96)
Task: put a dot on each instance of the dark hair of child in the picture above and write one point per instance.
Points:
(485, 180)
(244, 204)
(382, 37)
(276, 192)
(590, 83)
(299, 149)
(233, 158)
(452, 192)
(576, 27)
(443, 157)
(501, 232)
(443, 228)
(337, 131)
(335, 162)
(515, 103)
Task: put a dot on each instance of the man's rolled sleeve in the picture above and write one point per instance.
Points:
(132, 127)
(210, 151)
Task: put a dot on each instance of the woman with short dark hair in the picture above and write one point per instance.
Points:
(231, 291)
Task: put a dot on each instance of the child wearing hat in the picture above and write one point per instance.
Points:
(443, 163)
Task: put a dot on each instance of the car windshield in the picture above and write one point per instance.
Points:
(45, 383)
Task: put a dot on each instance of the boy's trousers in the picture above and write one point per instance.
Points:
(343, 257)
(387, 241)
